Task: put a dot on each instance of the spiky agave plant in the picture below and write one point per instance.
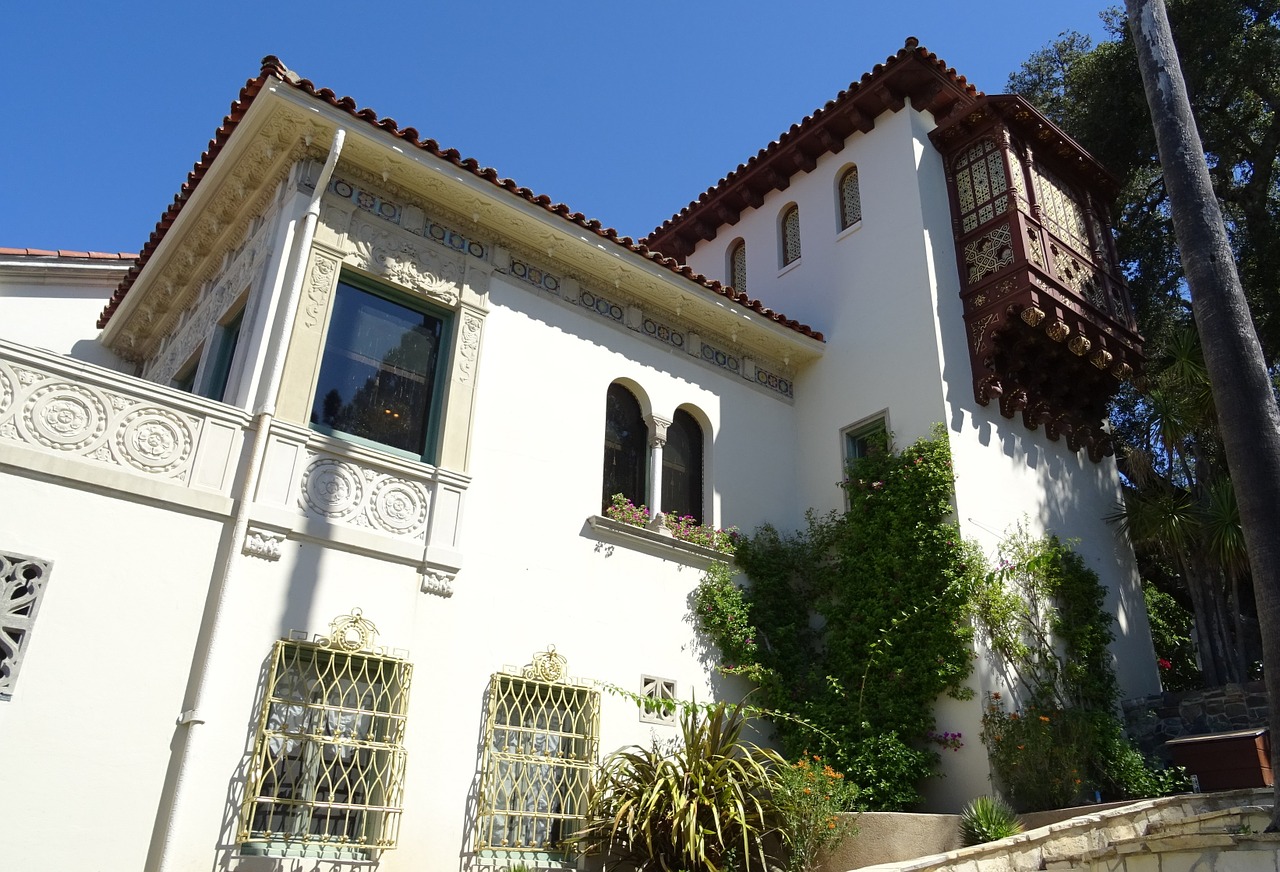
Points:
(690, 806)
(988, 819)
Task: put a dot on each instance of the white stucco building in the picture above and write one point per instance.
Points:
(352, 374)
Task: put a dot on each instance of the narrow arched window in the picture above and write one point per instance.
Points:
(682, 467)
(850, 199)
(625, 446)
(790, 235)
(738, 266)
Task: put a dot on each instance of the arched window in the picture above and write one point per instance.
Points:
(625, 446)
(682, 467)
(790, 235)
(850, 199)
(738, 266)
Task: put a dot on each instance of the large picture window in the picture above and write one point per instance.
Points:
(626, 445)
(327, 774)
(380, 371)
(682, 467)
(539, 752)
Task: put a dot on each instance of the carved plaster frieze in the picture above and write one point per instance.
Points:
(437, 582)
(342, 491)
(263, 544)
(469, 347)
(252, 184)
(205, 310)
(405, 260)
(319, 283)
(48, 412)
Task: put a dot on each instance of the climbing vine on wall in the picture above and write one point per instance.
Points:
(856, 624)
(1042, 611)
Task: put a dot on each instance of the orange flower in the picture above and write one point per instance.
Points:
(1044, 719)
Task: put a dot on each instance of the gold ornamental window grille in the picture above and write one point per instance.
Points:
(326, 777)
(540, 746)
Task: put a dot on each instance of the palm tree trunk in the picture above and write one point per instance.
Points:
(1247, 413)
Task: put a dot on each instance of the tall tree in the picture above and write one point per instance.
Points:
(1230, 55)
(1248, 416)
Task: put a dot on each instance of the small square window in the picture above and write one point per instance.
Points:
(659, 695)
(864, 438)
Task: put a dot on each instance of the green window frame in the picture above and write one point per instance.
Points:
(383, 370)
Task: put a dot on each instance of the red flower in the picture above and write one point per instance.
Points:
(1165, 664)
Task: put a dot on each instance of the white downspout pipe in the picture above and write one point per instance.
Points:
(263, 416)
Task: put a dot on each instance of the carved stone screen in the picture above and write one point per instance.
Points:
(22, 582)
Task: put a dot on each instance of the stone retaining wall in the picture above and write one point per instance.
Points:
(1154, 720)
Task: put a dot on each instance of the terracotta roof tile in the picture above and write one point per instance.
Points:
(273, 68)
(62, 252)
(913, 72)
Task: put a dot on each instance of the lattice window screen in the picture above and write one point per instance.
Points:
(327, 774)
(541, 742)
(738, 266)
(660, 690)
(22, 583)
(850, 199)
(791, 235)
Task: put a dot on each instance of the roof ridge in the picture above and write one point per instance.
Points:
(911, 48)
(273, 67)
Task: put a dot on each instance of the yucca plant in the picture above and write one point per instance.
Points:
(698, 805)
(988, 819)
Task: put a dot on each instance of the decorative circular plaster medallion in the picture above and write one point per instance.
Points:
(153, 440)
(398, 506)
(332, 488)
(65, 417)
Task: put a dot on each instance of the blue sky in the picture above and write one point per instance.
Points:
(624, 111)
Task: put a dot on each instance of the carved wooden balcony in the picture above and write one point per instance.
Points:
(1049, 322)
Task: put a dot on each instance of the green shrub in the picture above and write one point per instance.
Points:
(696, 806)
(1043, 612)
(987, 819)
(809, 798)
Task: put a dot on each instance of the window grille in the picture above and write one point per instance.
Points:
(540, 747)
(327, 773)
(22, 582)
(850, 199)
(982, 185)
(791, 235)
(738, 266)
(1060, 209)
(663, 693)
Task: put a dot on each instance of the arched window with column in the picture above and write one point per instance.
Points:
(626, 447)
(682, 467)
(789, 230)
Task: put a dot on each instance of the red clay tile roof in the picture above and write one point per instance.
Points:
(64, 253)
(913, 72)
(273, 68)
